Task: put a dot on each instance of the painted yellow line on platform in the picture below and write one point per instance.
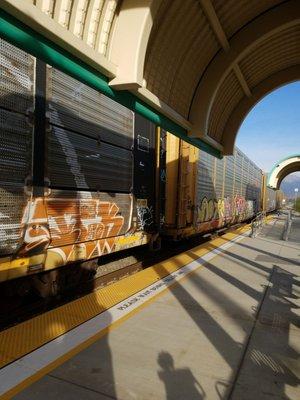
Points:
(65, 318)
(23, 338)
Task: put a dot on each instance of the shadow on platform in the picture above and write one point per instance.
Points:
(179, 383)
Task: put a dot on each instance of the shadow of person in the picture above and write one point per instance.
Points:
(180, 384)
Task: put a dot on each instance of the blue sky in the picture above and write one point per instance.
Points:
(271, 130)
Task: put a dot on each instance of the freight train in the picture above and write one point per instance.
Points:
(82, 176)
(204, 193)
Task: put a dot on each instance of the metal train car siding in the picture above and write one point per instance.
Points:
(77, 170)
(204, 193)
(271, 200)
(82, 176)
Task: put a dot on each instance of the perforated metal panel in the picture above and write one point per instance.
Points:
(12, 203)
(205, 177)
(251, 182)
(219, 178)
(91, 138)
(250, 192)
(229, 176)
(259, 178)
(16, 78)
(15, 145)
(245, 175)
(78, 107)
(77, 161)
(238, 172)
(271, 200)
(16, 98)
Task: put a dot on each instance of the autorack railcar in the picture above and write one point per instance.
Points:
(77, 170)
(204, 193)
(82, 176)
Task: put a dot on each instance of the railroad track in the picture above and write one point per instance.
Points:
(15, 309)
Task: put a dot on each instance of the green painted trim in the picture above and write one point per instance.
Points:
(32, 42)
(278, 163)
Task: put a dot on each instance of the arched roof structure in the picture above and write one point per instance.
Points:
(282, 169)
(202, 63)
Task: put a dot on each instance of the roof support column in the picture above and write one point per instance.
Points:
(129, 42)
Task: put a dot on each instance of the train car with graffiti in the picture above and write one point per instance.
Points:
(77, 170)
(83, 176)
(203, 193)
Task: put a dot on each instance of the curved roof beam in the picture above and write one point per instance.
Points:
(282, 169)
(238, 115)
(284, 15)
(288, 171)
(129, 43)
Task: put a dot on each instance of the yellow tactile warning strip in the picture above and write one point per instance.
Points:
(22, 339)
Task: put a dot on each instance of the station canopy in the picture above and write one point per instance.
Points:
(282, 169)
(201, 63)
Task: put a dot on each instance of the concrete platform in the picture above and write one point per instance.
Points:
(295, 229)
(229, 330)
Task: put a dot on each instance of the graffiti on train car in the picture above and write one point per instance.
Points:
(36, 234)
(72, 228)
(215, 213)
(227, 209)
(208, 210)
(242, 208)
(145, 214)
(145, 217)
(214, 210)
